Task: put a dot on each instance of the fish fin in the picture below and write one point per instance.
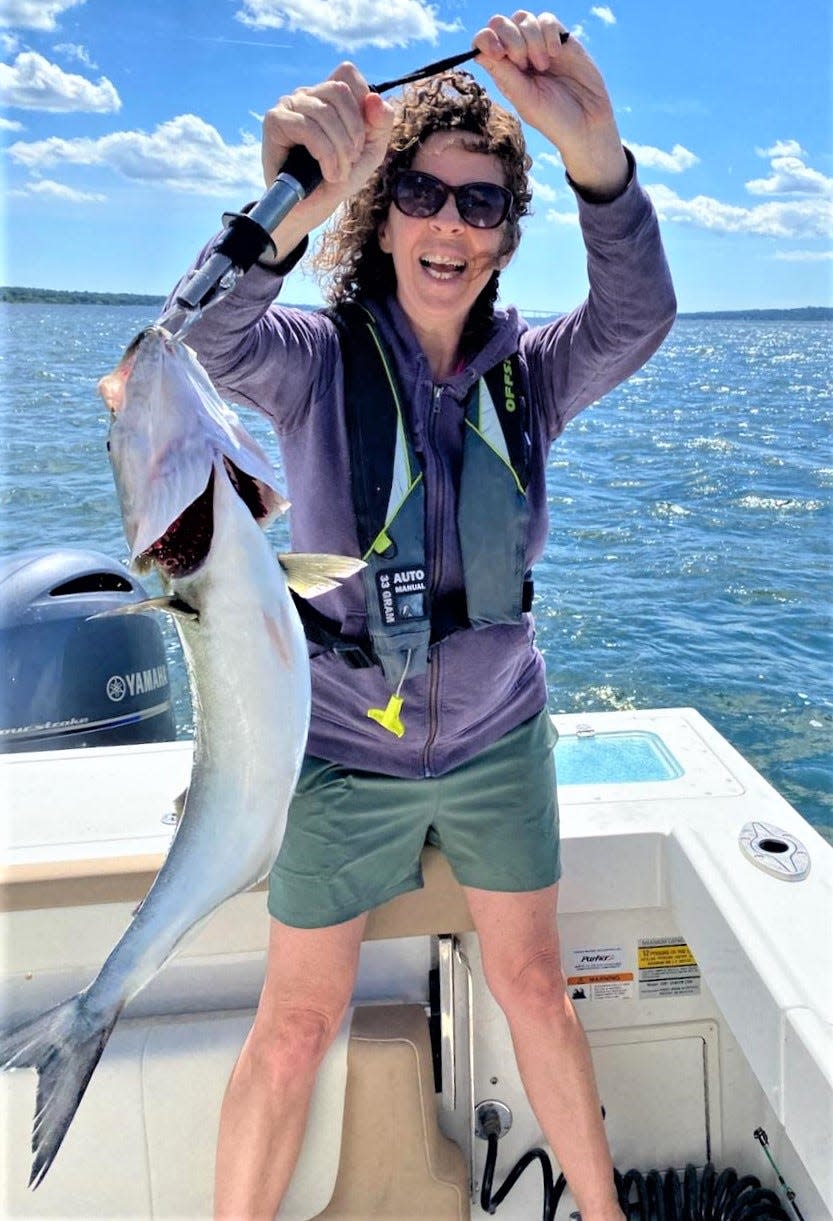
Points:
(64, 1045)
(311, 574)
(168, 604)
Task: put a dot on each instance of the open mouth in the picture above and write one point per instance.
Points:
(442, 267)
(184, 546)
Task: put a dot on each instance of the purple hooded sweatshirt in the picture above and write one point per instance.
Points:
(286, 363)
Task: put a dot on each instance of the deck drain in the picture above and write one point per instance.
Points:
(775, 851)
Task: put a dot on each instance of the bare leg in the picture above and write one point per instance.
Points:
(309, 982)
(522, 964)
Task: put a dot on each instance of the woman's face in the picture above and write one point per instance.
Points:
(441, 263)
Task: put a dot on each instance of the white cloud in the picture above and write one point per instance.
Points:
(9, 44)
(551, 159)
(808, 214)
(561, 218)
(791, 176)
(542, 190)
(675, 162)
(782, 148)
(58, 190)
(74, 50)
(34, 14)
(10, 125)
(33, 83)
(348, 25)
(802, 218)
(184, 154)
(604, 14)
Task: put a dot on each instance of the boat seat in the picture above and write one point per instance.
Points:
(440, 907)
(395, 1162)
(143, 1141)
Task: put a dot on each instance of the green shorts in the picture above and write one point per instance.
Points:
(354, 838)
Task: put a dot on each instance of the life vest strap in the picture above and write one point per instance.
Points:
(357, 653)
(321, 630)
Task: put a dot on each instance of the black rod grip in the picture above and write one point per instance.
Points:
(299, 175)
(302, 166)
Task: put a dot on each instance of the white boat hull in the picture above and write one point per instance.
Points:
(703, 982)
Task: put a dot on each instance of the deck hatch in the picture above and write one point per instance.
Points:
(633, 757)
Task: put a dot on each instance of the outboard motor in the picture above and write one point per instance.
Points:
(67, 680)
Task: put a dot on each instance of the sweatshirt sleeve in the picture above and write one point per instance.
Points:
(260, 354)
(628, 312)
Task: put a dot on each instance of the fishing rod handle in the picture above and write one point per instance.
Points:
(247, 236)
(300, 174)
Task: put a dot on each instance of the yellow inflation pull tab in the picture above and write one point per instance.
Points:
(389, 717)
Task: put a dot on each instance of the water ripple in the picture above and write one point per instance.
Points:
(690, 557)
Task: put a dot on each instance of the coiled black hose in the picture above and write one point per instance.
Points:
(715, 1197)
(652, 1196)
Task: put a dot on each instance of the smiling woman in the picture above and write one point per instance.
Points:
(415, 421)
(448, 129)
(443, 262)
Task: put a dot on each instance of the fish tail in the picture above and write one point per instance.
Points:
(64, 1045)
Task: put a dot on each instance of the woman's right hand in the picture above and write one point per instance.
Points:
(344, 126)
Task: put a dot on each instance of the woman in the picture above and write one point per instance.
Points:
(429, 699)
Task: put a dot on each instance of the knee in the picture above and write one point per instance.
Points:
(286, 1047)
(533, 989)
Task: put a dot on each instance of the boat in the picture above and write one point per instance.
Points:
(696, 909)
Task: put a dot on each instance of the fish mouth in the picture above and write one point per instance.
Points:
(185, 545)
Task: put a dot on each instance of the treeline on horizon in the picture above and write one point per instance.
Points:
(55, 296)
(58, 296)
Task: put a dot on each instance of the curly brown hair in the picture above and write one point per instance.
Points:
(348, 260)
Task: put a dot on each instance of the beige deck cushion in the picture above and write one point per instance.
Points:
(395, 1161)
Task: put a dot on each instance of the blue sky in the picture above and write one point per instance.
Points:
(130, 127)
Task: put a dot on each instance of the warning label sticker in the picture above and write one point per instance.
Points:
(667, 967)
(614, 986)
(597, 959)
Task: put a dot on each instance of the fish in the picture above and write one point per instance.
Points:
(196, 492)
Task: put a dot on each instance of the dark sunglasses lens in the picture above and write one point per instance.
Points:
(418, 194)
(483, 204)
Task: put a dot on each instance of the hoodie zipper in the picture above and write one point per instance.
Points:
(433, 655)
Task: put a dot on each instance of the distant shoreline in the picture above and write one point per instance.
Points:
(13, 295)
(54, 296)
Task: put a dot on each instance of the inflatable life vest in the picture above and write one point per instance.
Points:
(389, 501)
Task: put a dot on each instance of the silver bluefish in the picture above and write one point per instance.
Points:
(195, 492)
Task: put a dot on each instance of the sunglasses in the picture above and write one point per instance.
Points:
(483, 205)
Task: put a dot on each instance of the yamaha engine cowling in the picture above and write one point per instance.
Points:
(69, 680)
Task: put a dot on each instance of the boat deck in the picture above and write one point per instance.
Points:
(690, 964)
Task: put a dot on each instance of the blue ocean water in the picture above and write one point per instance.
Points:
(690, 555)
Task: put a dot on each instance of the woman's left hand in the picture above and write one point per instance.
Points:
(557, 89)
